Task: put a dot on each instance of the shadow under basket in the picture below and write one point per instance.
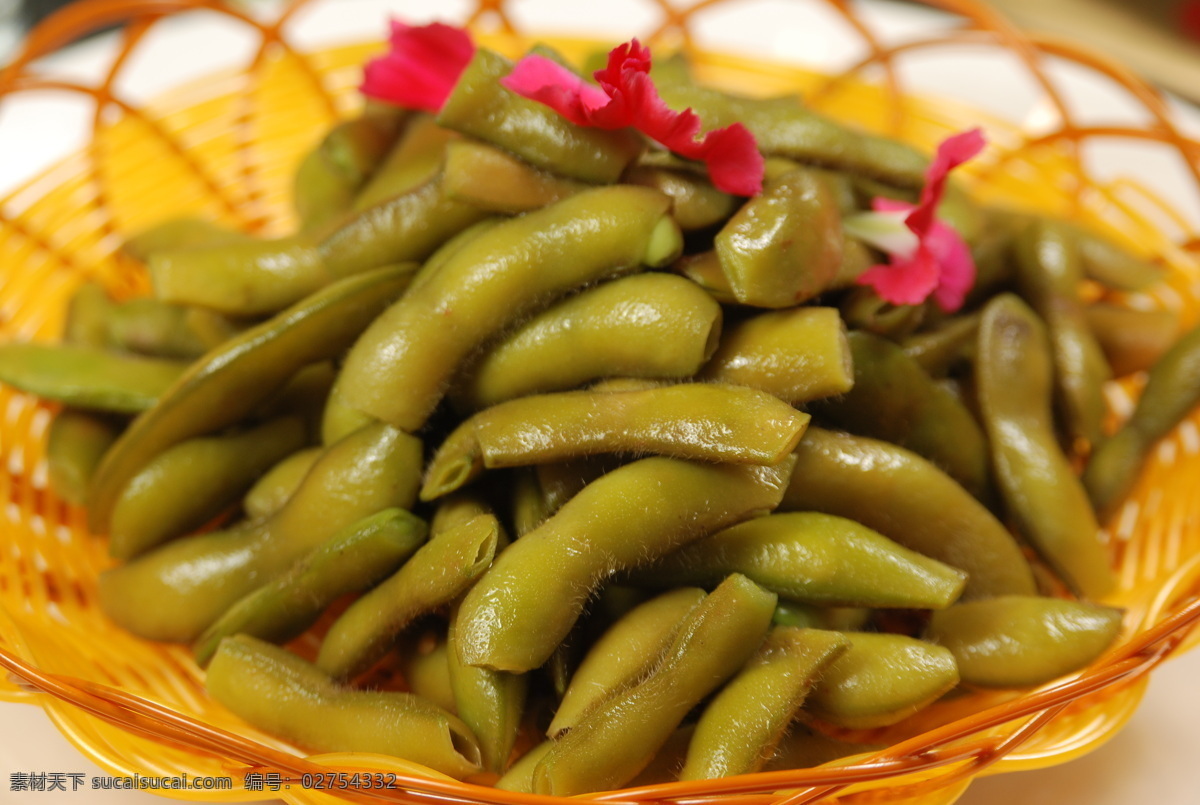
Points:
(225, 148)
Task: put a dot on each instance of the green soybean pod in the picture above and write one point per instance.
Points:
(151, 327)
(480, 107)
(330, 176)
(623, 654)
(426, 669)
(1021, 641)
(1014, 380)
(353, 559)
(1111, 265)
(812, 558)
(436, 574)
(519, 776)
(600, 332)
(279, 483)
(797, 355)
(881, 679)
(180, 233)
(940, 349)
(621, 736)
(87, 377)
(527, 602)
(700, 421)
(785, 246)
(399, 369)
(741, 727)
(491, 703)
(1049, 272)
(232, 380)
(87, 317)
(176, 591)
(491, 179)
(282, 694)
(1132, 340)
(696, 203)
(192, 482)
(76, 442)
(1172, 390)
(412, 161)
(907, 499)
(894, 400)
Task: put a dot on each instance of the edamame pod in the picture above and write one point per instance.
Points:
(86, 377)
(426, 668)
(480, 107)
(1020, 641)
(278, 484)
(353, 559)
(706, 422)
(192, 482)
(519, 776)
(812, 558)
(493, 180)
(232, 380)
(881, 679)
(601, 332)
(176, 591)
(621, 736)
(623, 654)
(330, 175)
(515, 615)
(783, 127)
(152, 327)
(180, 233)
(740, 728)
(398, 370)
(1049, 273)
(939, 350)
(1132, 340)
(907, 499)
(785, 246)
(413, 161)
(797, 355)
(1171, 391)
(1013, 377)
(696, 204)
(76, 442)
(436, 574)
(280, 693)
(864, 309)
(491, 703)
(1111, 265)
(894, 400)
(87, 316)
(704, 269)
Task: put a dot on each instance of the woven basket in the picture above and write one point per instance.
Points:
(225, 147)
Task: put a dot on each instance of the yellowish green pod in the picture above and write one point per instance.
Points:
(621, 736)
(426, 668)
(76, 442)
(623, 654)
(700, 421)
(436, 574)
(87, 377)
(519, 776)
(180, 233)
(491, 179)
(881, 679)
(601, 332)
(785, 246)
(525, 605)
(741, 727)
(1021, 641)
(329, 176)
(400, 367)
(351, 560)
(412, 161)
(278, 484)
(1014, 377)
(909, 500)
(812, 558)
(176, 591)
(285, 696)
(232, 380)
(1132, 340)
(696, 204)
(188, 484)
(797, 355)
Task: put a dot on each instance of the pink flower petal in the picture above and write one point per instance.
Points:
(626, 96)
(951, 152)
(957, 274)
(421, 68)
(906, 281)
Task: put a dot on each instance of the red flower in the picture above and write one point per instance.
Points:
(422, 67)
(940, 264)
(627, 97)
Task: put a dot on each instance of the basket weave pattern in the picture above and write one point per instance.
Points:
(226, 148)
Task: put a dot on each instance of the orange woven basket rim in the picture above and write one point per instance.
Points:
(937, 759)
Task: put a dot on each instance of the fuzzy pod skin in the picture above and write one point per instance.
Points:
(508, 271)
(282, 694)
(524, 606)
(599, 333)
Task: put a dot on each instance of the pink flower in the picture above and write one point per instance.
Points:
(422, 67)
(627, 97)
(938, 262)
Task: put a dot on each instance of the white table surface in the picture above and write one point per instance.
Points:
(1153, 760)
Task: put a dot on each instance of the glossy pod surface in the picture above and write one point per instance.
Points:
(87, 377)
